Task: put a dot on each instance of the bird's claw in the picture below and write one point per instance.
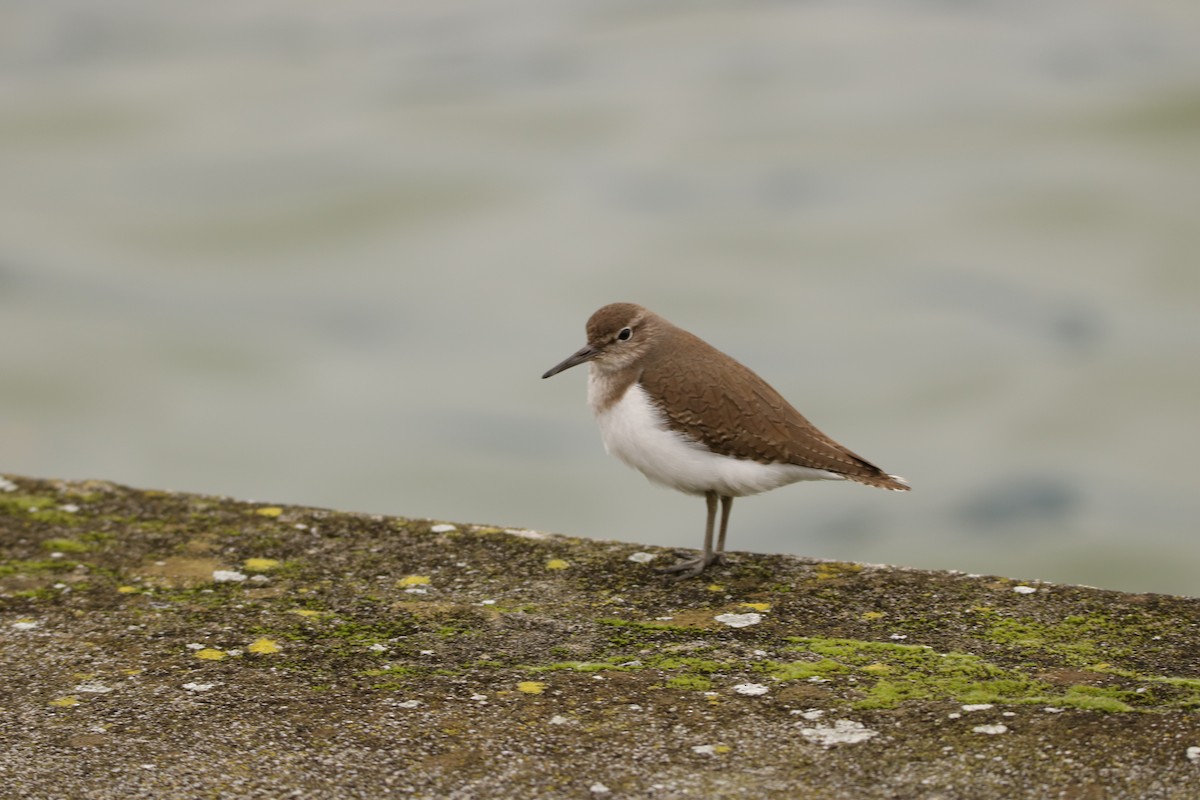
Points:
(691, 567)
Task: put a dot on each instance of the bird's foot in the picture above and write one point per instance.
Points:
(691, 567)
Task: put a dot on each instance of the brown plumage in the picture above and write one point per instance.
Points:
(692, 418)
(726, 406)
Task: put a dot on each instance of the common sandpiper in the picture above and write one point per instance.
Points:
(690, 417)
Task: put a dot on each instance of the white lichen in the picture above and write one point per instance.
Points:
(524, 534)
(92, 688)
(842, 731)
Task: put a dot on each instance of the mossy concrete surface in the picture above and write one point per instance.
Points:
(157, 644)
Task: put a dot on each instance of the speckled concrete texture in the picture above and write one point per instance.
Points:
(156, 644)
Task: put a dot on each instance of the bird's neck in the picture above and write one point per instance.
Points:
(607, 387)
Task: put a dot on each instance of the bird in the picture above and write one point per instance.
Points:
(694, 419)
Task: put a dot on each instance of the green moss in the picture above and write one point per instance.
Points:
(859, 650)
(999, 690)
(628, 633)
(1078, 640)
(392, 670)
(65, 546)
(694, 665)
(356, 637)
(32, 567)
(575, 666)
(37, 509)
(453, 631)
(1186, 690)
(622, 663)
(888, 694)
(84, 497)
(890, 674)
(522, 608)
(395, 676)
(1173, 691)
(43, 593)
(1096, 698)
(642, 626)
(19, 504)
(803, 670)
(64, 519)
(959, 688)
(694, 683)
(836, 569)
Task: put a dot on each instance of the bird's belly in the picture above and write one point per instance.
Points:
(634, 430)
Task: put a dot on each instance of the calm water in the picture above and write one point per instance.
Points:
(310, 254)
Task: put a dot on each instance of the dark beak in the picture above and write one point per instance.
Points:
(585, 353)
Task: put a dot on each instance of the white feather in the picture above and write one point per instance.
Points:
(635, 431)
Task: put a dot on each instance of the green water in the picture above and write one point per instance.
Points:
(322, 255)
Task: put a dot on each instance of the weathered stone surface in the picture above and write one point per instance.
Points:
(171, 645)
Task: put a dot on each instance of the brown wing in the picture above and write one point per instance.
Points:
(732, 411)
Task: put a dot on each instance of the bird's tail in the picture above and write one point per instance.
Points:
(883, 481)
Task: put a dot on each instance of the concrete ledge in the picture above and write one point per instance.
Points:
(155, 644)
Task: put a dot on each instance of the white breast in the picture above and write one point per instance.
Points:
(634, 430)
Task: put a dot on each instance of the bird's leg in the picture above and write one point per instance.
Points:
(726, 507)
(693, 567)
(710, 500)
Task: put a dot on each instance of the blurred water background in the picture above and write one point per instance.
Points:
(320, 253)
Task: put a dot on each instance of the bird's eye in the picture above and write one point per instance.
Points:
(625, 334)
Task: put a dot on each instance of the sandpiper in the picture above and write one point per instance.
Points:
(690, 417)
